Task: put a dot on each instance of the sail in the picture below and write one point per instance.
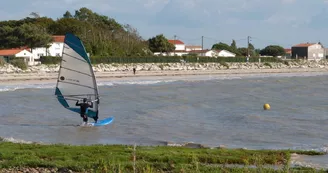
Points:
(76, 79)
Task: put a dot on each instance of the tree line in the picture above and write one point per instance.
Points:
(101, 35)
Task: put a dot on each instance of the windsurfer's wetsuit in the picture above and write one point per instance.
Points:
(83, 109)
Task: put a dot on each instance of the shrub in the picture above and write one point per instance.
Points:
(267, 64)
(19, 62)
(224, 64)
(2, 62)
(50, 59)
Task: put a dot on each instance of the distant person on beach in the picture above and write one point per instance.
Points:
(134, 71)
(83, 109)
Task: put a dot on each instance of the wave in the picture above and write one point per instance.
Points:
(10, 87)
(14, 140)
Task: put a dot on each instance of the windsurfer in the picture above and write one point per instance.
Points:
(83, 109)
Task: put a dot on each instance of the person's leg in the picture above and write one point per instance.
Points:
(96, 117)
(85, 118)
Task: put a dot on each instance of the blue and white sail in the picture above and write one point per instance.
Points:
(76, 79)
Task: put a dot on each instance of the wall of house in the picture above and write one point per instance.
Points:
(193, 48)
(180, 47)
(55, 49)
(299, 52)
(223, 53)
(28, 57)
(211, 53)
(38, 52)
(25, 54)
(316, 52)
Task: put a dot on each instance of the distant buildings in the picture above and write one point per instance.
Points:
(309, 51)
(182, 49)
(20, 52)
(32, 56)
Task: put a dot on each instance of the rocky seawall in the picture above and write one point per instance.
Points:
(10, 69)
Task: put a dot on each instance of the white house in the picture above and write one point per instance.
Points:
(176, 53)
(23, 53)
(206, 52)
(225, 53)
(55, 48)
(190, 48)
(179, 45)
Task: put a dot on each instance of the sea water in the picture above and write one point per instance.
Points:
(208, 109)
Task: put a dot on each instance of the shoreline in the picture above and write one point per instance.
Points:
(39, 78)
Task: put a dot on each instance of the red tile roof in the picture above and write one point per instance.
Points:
(10, 52)
(304, 44)
(288, 50)
(175, 42)
(58, 38)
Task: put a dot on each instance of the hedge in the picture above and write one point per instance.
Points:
(50, 59)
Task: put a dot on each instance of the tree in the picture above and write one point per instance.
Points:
(67, 15)
(243, 51)
(100, 34)
(233, 45)
(33, 35)
(160, 44)
(223, 46)
(273, 50)
(35, 15)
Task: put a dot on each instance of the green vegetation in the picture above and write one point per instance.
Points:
(100, 34)
(160, 44)
(2, 61)
(273, 50)
(19, 62)
(50, 60)
(120, 158)
(267, 64)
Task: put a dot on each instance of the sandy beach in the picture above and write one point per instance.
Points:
(39, 78)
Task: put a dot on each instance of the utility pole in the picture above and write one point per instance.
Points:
(175, 37)
(247, 46)
(248, 40)
(202, 42)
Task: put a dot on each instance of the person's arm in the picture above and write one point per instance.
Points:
(77, 103)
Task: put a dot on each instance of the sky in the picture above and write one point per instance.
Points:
(267, 22)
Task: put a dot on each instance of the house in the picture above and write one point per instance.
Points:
(20, 52)
(213, 53)
(288, 53)
(179, 45)
(309, 51)
(175, 53)
(190, 48)
(55, 48)
(326, 53)
(225, 53)
(205, 52)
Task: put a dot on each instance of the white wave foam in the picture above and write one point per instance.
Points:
(13, 140)
(5, 88)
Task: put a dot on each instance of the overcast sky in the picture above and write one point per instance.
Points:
(283, 22)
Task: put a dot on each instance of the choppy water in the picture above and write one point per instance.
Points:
(212, 110)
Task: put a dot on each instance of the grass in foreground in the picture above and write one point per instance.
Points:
(121, 158)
